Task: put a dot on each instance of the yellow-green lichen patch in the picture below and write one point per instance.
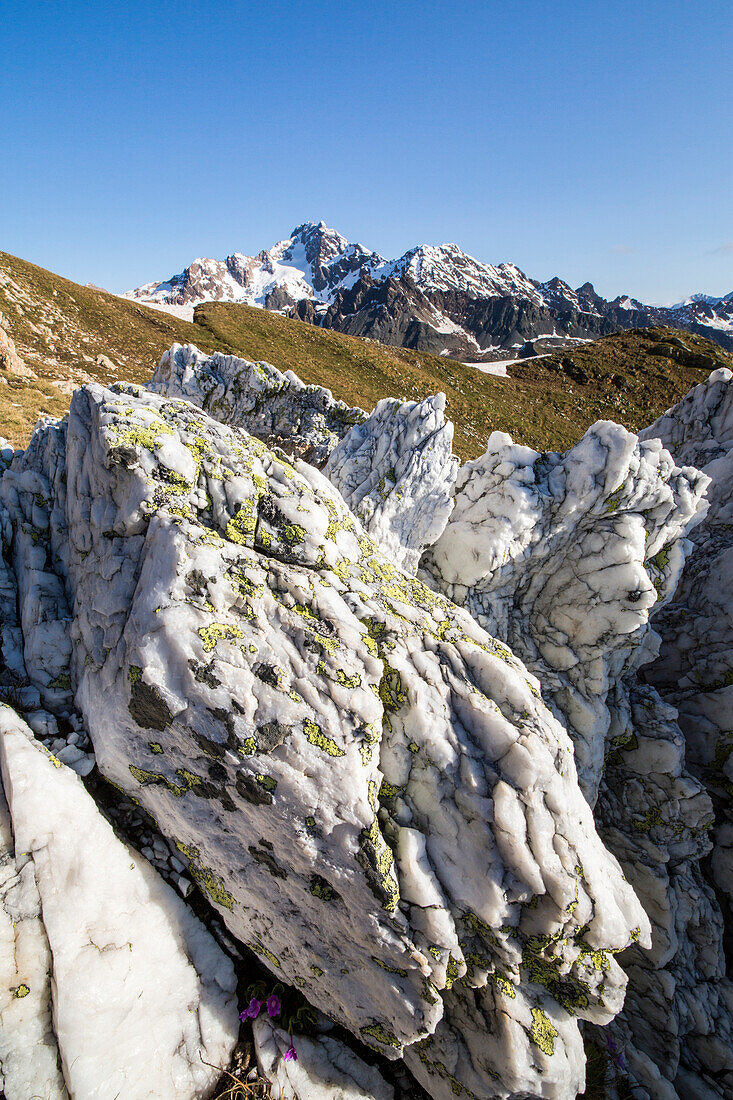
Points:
(266, 953)
(383, 1036)
(21, 990)
(205, 878)
(542, 1033)
(317, 737)
(376, 856)
(146, 437)
(155, 747)
(651, 818)
(322, 889)
(343, 680)
(134, 674)
(454, 970)
(241, 527)
(391, 691)
(217, 632)
(316, 970)
(390, 969)
(611, 502)
(503, 984)
(266, 782)
(62, 682)
(248, 747)
(148, 778)
(371, 736)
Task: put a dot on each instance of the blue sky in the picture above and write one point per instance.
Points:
(591, 140)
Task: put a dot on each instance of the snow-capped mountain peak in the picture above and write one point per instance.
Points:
(312, 262)
(435, 297)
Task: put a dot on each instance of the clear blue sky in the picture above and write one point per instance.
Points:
(591, 140)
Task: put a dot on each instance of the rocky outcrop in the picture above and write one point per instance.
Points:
(107, 973)
(694, 670)
(276, 408)
(565, 557)
(370, 775)
(396, 472)
(10, 361)
(333, 747)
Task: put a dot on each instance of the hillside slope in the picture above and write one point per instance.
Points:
(62, 329)
(548, 402)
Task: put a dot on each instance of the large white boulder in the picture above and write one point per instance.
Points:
(140, 990)
(397, 472)
(365, 783)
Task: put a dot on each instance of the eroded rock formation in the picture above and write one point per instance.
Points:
(372, 775)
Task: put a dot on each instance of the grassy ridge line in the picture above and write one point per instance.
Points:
(60, 328)
(546, 403)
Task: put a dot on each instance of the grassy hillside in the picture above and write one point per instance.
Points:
(546, 402)
(61, 328)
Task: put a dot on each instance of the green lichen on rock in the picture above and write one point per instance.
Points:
(188, 779)
(217, 632)
(140, 436)
(376, 856)
(317, 737)
(383, 1036)
(542, 1033)
(205, 878)
(266, 782)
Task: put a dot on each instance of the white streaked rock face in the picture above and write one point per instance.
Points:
(566, 556)
(366, 784)
(278, 408)
(397, 472)
(140, 990)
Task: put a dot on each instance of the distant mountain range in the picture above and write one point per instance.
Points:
(434, 298)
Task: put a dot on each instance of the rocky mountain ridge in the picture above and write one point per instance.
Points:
(433, 298)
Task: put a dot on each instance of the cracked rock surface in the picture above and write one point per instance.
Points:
(333, 747)
(107, 975)
(565, 557)
(306, 421)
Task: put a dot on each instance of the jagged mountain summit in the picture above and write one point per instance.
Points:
(433, 298)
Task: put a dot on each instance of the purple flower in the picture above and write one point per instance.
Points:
(616, 1055)
(273, 1005)
(291, 1054)
(252, 1010)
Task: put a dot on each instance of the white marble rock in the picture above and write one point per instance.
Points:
(397, 472)
(334, 747)
(306, 421)
(140, 990)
